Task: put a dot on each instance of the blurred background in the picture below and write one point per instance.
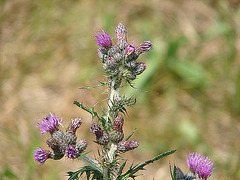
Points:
(193, 80)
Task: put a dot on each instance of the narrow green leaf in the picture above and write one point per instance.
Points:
(90, 87)
(90, 110)
(133, 170)
(131, 134)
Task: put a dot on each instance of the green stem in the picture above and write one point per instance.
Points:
(110, 153)
(91, 162)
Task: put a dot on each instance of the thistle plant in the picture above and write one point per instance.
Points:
(121, 67)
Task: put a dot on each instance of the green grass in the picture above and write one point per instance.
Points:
(192, 78)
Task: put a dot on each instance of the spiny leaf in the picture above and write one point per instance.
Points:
(90, 110)
(90, 87)
(122, 167)
(86, 169)
(132, 170)
(131, 134)
(173, 174)
(73, 175)
(130, 84)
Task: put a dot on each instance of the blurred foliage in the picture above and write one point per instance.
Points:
(47, 52)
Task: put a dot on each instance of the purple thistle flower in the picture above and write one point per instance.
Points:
(49, 124)
(72, 152)
(103, 39)
(204, 168)
(41, 155)
(200, 164)
(193, 160)
(75, 124)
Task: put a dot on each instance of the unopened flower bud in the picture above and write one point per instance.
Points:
(75, 124)
(57, 147)
(70, 138)
(124, 146)
(58, 135)
(101, 137)
(121, 35)
(53, 143)
(96, 129)
(143, 47)
(118, 123)
(116, 136)
(81, 145)
(140, 68)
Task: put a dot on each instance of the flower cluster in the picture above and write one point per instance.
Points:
(120, 60)
(60, 143)
(200, 168)
(115, 135)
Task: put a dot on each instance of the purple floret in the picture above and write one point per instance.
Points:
(75, 124)
(204, 168)
(200, 164)
(41, 155)
(72, 152)
(49, 124)
(103, 39)
(193, 160)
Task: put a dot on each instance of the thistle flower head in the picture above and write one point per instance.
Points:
(118, 123)
(75, 124)
(49, 124)
(53, 143)
(41, 155)
(204, 168)
(96, 129)
(200, 164)
(103, 39)
(72, 152)
(81, 145)
(192, 161)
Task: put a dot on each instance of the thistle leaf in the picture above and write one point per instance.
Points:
(98, 85)
(132, 170)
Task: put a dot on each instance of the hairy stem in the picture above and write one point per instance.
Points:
(113, 147)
